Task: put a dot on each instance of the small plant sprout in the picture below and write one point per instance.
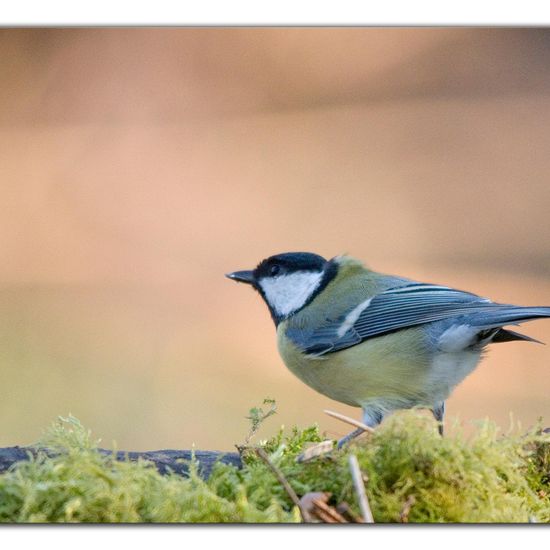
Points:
(257, 416)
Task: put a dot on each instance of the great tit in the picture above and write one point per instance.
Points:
(377, 341)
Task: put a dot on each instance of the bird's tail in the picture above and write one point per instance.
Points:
(506, 335)
(501, 315)
(493, 319)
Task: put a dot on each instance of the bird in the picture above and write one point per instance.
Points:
(375, 341)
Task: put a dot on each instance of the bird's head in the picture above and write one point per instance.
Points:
(289, 281)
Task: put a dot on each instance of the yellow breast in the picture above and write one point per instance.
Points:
(394, 367)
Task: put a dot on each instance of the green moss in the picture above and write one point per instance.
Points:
(487, 478)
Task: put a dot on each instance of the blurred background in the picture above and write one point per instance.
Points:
(137, 166)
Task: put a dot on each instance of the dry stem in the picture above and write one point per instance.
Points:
(349, 420)
(360, 489)
(286, 485)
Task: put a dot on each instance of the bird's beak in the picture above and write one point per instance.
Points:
(242, 276)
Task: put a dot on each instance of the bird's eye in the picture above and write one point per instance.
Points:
(274, 270)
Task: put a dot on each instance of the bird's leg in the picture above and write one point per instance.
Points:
(371, 418)
(439, 412)
(347, 438)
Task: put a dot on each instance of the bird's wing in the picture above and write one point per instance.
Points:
(403, 307)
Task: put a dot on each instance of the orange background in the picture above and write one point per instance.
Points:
(139, 165)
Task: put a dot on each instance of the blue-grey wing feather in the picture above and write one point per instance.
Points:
(409, 306)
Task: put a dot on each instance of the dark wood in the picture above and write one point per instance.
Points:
(165, 460)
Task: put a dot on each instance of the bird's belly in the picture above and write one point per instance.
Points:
(384, 368)
(448, 370)
(400, 371)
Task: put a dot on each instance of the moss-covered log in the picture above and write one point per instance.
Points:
(164, 460)
(413, 475)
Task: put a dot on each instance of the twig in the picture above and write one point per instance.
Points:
(349, 420)
(286, 485)
(360, 489)
(317, 506)
(344, 509)
(320, 449)
(404, 515)
(326, 513)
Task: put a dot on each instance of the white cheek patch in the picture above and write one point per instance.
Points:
(288, 293)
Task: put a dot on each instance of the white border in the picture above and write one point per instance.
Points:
(276, 12)
(409, 537)
(281, 12)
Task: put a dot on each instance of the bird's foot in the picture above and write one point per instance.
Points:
(439, 414)
(346, 439)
